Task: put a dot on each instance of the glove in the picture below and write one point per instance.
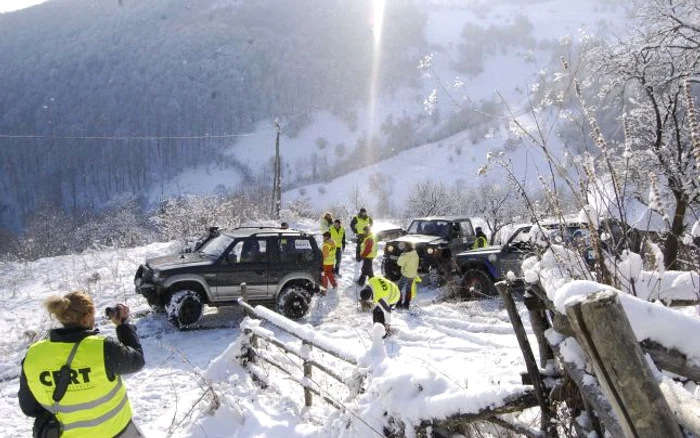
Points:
(365, 306)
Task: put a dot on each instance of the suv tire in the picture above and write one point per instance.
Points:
(476, 284)
(185, 308)
(293, 301)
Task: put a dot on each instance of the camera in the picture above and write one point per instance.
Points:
(111, 312)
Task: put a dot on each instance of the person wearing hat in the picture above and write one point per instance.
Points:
(329, 250)
(381, 294)
(357, 225)
(368, 251)
(338, 235)
(326, 222)
(481, 241)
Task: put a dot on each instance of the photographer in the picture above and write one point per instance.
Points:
(91, 398)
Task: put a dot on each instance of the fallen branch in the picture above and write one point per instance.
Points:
(458, 422)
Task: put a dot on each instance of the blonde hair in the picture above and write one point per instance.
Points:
(71, 308)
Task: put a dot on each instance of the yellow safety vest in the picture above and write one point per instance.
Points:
(329, 253)
(480, 242)
(93, 405)
(337, 236)
(383, 288)
(372, 253)
(360, 224)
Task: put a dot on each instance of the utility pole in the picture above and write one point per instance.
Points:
(277, 184)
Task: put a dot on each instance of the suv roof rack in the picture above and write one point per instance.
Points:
(278, 230)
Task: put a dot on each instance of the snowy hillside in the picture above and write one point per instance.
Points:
(548, 29)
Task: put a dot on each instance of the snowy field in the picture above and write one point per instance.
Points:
(465, 346)
(443, 357)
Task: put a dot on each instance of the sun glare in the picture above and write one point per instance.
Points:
(377, 26)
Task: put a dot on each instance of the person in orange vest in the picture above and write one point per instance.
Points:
(338, 235)
(368, 251)
(71, 382)
(329, 250)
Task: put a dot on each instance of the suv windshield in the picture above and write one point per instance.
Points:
(431, 228)
(216, 246)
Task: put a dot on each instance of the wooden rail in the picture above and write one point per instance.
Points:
(255, 354)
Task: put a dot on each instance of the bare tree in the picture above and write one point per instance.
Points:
(429, 198)
(648, 73)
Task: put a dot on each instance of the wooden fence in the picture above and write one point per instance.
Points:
(255, 352)
(622, 396)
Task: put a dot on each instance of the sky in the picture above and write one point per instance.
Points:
(14, 5)
(443, 356)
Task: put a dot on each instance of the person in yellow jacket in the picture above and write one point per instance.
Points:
(368, 251)
(383, 294)
(338, 236)
(95, 403)
(408, 261)
(481, 240)
(328, 251)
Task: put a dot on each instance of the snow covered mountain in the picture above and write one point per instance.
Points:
(483, 59)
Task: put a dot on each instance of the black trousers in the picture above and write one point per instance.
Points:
(378, 315)
(367, 272)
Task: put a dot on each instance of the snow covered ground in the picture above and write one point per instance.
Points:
(443, 356)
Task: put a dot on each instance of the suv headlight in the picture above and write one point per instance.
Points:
(389, 248)
(430, 251)
(157, 275)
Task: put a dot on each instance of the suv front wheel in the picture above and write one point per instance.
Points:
(185, 308)
(476, 284)
(293, 301)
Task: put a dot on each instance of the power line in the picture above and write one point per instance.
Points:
(127, 137)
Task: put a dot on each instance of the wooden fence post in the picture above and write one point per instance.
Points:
(605, 334)
(546, 425)
(540, 324)
(308, 400)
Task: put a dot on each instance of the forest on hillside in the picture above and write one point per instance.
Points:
(172, 68)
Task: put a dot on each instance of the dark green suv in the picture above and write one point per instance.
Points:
(436, 240)
(280, 267)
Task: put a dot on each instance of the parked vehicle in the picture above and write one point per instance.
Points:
(281, 268)
(437, 240)
(481, 268)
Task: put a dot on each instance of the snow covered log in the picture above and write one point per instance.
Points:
(605, 334)
(670, 359)
(458, 423)
(587, 384)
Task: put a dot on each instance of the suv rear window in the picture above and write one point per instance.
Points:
(293, 249)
